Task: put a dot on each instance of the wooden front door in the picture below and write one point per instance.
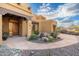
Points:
(13, 28)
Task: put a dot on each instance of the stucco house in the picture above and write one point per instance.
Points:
(41, 24)
(17, 19)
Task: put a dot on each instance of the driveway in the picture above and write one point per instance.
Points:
(23, 43)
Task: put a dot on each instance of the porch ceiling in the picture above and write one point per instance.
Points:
(4, 11)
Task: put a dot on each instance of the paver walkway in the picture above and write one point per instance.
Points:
(22, 43)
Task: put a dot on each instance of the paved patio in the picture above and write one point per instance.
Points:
(22, 43)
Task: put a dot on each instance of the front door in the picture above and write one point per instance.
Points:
(13, 28)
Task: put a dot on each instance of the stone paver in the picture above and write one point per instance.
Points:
(22, 43)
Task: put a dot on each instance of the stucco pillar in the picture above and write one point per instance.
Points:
(0, 29)
(39, 26)
(24, 28)
(29, 28)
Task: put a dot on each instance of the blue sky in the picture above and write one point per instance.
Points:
(35, 6)
(65, 14)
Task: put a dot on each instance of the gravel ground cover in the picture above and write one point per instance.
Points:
(72, 50)
(6, 51)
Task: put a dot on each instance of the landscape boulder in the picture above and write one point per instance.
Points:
(45, 39)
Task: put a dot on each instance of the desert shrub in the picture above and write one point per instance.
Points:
(36, 32)
(33, 36)
(54, 34)
(51, 39)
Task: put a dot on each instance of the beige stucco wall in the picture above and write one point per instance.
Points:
(25, 6)
(0, 29)
(16, 8)
(24, 28)
(47, 26)
(37, 18)
(29, 28)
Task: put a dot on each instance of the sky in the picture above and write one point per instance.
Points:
(66, 14)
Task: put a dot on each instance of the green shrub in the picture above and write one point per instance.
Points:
(54, 34)
(51, 39)
(36, 32)
(33, 36)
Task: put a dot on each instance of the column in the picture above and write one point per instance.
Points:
(29, 28)
(0, 29)
(24, 27)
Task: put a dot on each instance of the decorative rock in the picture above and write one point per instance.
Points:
(45, 39)
(44, 34)
(41, 35)
(50, 37)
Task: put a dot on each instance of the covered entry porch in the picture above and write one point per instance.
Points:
(14, 23)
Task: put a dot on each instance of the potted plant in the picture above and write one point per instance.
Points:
(5, 35)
